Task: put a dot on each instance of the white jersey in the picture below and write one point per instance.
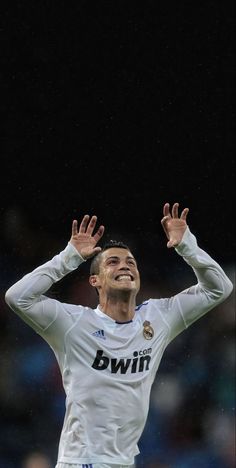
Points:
(108, 367)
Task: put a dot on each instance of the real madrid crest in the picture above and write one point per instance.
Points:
(148, 331)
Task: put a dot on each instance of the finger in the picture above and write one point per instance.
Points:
(171, 244)
(74, 227)
(184, 213)
(91, 225)
(166, 209)
(163, 222)
(84, 223)
(96, 250)
(99, 233)
(175, 209)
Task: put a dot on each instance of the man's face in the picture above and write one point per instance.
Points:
(118, 271)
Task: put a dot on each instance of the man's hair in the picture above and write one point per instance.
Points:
(95, 264)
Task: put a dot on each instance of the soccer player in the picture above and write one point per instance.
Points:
(109, 356)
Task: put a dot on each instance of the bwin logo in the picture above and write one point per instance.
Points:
(139, 363)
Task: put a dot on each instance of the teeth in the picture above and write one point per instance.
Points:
(123, 277)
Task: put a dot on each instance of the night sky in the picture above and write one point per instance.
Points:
(113, 108)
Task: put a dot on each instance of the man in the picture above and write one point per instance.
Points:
(109, 356)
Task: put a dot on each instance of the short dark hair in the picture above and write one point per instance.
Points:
(94, 267)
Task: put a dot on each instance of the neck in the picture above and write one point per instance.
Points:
(120, 310)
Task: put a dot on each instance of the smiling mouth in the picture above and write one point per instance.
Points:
(124, 278)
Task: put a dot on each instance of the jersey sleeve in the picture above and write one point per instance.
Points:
(48, 317)
(213, 287)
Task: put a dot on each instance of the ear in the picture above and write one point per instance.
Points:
(93, 280)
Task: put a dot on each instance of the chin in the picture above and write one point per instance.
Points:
(127, 289)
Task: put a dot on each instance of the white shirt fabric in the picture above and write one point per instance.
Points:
(91, 465)
(108, 368)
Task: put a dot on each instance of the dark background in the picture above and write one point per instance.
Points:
(114, 108)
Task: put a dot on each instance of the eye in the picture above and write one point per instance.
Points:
(131, 262)
(113, 261)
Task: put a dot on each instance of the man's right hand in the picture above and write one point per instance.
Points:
(83, 239)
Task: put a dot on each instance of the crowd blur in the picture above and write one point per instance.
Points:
(191, 422)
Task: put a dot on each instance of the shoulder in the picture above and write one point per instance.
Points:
(155, 303)
(74, 309)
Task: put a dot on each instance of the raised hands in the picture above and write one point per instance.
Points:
(83, 239)
(173, 225)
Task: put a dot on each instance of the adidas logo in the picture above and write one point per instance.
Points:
(99, 334)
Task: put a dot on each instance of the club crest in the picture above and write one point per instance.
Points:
(148, 331)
